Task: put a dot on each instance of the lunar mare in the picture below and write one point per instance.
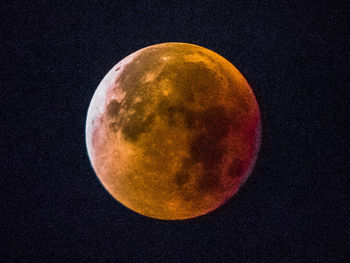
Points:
(173, 131)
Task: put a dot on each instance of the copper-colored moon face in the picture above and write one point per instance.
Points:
(173, 131)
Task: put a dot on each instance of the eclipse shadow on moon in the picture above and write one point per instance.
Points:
(173, 131)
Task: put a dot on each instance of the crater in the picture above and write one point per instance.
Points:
(113, 109)
(136, 126)
(113, 126)
(181, 177)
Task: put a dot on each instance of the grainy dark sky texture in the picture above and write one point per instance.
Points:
(294, 208)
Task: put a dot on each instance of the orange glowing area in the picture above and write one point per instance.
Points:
(173, 131)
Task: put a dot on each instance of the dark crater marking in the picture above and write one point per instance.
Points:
(207, 148)
(237, 168)
(113, 109)
(113, 126)
(181, 177)
(193, 77)
(138, 124)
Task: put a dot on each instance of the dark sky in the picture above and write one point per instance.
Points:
(294, 207)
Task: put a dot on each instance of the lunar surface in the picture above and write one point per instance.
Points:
(173, 131)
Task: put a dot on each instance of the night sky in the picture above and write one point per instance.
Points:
(294, 207)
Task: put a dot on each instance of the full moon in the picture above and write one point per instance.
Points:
(173, 131)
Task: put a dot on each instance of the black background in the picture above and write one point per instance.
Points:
(294, 207)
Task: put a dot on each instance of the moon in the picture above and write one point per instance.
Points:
(173, 131)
